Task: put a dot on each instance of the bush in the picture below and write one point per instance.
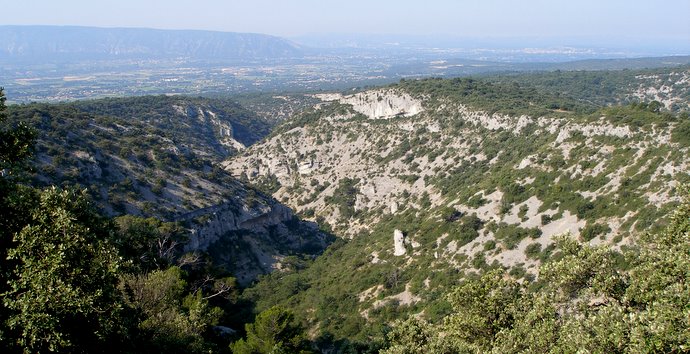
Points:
(533, 250)
(589, 232)
(545, 219)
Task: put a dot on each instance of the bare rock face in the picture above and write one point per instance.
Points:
(250, 240)
(226, 217)
(384, 104)
(398, 243)
(394, 207)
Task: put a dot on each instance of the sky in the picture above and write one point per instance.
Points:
(629, 20)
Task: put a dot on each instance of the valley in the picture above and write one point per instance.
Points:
(433, 181)
(90, 62)
(157, 157)
(364, 214)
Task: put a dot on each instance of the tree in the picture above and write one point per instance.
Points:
(63, 293)
(15, 146)
(660, 287)
(148, 242)
(15, 143)
(171, 321)
(273, 331)
(409, 337)
(482, 308)
(655, 106)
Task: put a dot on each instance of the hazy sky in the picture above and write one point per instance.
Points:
(626, 19)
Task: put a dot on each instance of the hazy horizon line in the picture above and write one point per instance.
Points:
(445, 35)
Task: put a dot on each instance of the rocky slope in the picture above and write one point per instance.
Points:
(156, 156)
(671, 89)
(397, 163)
(276, 107)
(431, 182)
(669, 86)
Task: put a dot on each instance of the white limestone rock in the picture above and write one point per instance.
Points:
(398, 243)
(384, 104)
(394, 207)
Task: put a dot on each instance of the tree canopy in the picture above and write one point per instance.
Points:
(274, 331)
(591, 298)
(72, 280)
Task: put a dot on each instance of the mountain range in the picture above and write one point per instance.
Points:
(31, 44)
(58, 63)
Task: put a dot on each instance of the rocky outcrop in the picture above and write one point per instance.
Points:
(670, 89)
(250, 240)
(400, 162)
(398, 243)
(378, 104)
(223, 218)
(383, 104)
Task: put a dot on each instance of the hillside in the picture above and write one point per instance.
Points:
(670, 86)
(276, 107)
(429, 182)
(508, 200)
(155, 156)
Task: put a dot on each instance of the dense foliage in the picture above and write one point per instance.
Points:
(273, 331)
(600, 88)
(584, 301)
(74, 281)
(64, 276)
(501, 97)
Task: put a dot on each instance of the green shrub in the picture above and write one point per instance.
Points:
(589, 232)
(545, 219)
(533, 250)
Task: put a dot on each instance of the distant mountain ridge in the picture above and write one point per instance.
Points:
(62, 43)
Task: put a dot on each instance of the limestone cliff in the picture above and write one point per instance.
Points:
(250, 236)
(383, 103)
